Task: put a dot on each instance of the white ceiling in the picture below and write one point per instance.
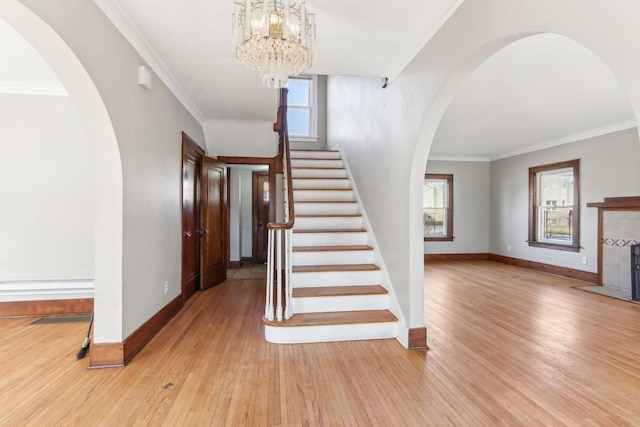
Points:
(540, 91)
(193, 41)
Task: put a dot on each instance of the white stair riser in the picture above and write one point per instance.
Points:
(335, 278)
(316, 163)
(324, 195)
(332, 258)
(326, 208)
(318, 173)
(309, 154)
(321, 183)
(330, 239)
(328, 223)
(329, 333)
(340, 303)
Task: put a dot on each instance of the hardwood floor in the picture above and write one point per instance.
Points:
(509, 346)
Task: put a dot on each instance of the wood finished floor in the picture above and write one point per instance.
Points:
(508, 347)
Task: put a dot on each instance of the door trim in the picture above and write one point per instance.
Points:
(188, 146)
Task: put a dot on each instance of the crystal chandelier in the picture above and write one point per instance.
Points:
(275, 38)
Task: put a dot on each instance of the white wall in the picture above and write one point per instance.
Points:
(608, 168)
(235, 207)
(386, 134)
(148, 126)
(470, 207)
(243, 138)
(46, 188)
(247, 214)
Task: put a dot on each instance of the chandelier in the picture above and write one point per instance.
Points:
(276, 38)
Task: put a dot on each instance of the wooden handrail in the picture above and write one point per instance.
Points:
(284, 155)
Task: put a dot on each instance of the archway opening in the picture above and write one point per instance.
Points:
(106, 182)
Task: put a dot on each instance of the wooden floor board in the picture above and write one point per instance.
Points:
(508, 346)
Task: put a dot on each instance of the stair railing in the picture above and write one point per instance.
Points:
(280, 235)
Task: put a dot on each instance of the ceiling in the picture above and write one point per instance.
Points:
(540, 91)
(192, 41)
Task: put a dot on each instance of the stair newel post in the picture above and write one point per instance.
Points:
(279, 274)
(268, 310)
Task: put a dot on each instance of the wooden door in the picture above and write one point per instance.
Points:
(261, 198)
(192, 156)
(213, 223)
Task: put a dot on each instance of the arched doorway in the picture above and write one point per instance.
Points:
(108, 171)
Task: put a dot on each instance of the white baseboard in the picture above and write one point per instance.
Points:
(43, 290)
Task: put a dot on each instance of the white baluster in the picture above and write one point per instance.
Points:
(279, 274)
(287, 266)
(268, 310)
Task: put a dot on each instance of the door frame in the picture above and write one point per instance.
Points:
(189, 146)
(256, 196)
(270, 162)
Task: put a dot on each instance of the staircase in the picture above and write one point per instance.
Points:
(336, 286)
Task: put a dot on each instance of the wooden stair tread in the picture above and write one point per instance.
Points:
(337, 291)
(322, 189)
(334, 267)
(329, 216)
(336, 318)
(318, 167)
(332, 248)
(332, 230)
(320, 178)
(326, 201)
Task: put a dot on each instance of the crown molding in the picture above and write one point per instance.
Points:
(113, 11)
(24, 88)
(407, 54)
(452, 158)
(592, 133)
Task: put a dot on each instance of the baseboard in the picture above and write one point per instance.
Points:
(571, 273)
(247, 261)
(418, 339)
(234, 265)
(46, 308)
(456, 257)
(106, 356)
(119, 354)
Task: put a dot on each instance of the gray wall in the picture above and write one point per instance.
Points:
(470, 207)
(608, 168)
(148, 126)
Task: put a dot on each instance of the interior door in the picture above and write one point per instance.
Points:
(192, 156)
(213, 223)
(260, 215)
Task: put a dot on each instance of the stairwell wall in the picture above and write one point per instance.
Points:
(386, 134)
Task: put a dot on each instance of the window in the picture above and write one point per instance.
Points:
(437, 207)
(554, 206)
(302, 108)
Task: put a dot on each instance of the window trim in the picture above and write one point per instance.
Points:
(533, 207)
(313, 106)
(449, 235)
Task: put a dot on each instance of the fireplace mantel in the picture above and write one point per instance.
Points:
(618, 228)
(617, 202)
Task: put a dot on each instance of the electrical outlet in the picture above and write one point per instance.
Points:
(509, 248)
(585, 260)
(166, 287)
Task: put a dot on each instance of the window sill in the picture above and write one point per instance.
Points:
(439, 239)
(556, 246)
